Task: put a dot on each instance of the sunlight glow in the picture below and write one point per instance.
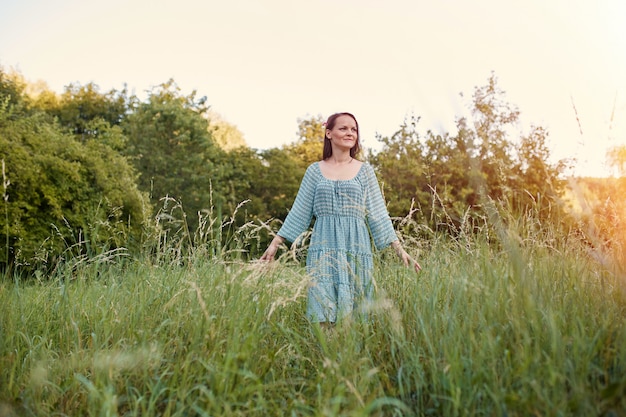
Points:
(264, 64)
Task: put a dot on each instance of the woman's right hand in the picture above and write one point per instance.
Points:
(271, 250)
(269, 254)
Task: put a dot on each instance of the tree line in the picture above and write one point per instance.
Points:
(87, 172)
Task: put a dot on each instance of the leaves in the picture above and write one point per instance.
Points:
(63, 191)
(86, 158)
(451, 176)
(309, 144)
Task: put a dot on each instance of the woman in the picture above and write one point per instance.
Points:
(343, 195)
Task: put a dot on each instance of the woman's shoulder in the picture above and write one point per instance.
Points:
(313, 167)
(366, 168)
(367, 175)
(313, 170)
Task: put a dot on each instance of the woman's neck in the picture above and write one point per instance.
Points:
(340, 158)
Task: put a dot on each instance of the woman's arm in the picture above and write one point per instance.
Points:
(299, 217)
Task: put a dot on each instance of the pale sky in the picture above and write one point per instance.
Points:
(264, 64)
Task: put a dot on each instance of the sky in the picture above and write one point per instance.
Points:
(265, 64)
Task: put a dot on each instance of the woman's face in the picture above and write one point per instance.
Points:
(344, 133)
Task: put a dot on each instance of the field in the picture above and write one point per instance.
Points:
(532, 325)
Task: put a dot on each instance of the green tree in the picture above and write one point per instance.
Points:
(309, 143)
(451, 177)
(79, 106)
(494, 121)
(540, 185)
(243, 168)
(274, 186)
(170, 144)
(261, 187)
(12, 86)
(61, 197)
(278, 182)
(268, 179)
(225, 134)
(401, 169)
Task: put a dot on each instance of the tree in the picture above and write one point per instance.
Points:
(400, 168)
(170, 145)
(538, 183)
(278, 182)
(451, 177)
(494, 121)
(12, 86)
(505, 165)
(79, 106)
(308, 146)
(61, 196)
(269, 179)
(225, 134)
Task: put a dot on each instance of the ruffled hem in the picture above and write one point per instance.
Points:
(341, 283)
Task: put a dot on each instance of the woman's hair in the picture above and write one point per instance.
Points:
(330, 124)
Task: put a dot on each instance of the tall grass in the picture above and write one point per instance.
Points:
(531, 325)
(5, 199)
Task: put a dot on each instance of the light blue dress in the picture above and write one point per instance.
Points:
(339, 260)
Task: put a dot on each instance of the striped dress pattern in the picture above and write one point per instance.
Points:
(349, 215)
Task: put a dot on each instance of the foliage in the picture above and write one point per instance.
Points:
(225, 134)
(402, 152)
(269, 179)
(532, 326)
(600, 210)
(79, 106)
(452, 178)
(12, 86)
(492, 118)
(170, 145)
(279, 182)
(512, 314)
(309, 143)
(177, 147)
(63, 198)
(537, 183)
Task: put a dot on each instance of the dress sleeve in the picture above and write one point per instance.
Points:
(299, 217)
(377, 215)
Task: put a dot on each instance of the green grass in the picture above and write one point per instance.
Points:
(527, 329)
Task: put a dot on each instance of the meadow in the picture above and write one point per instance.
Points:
(530, 323)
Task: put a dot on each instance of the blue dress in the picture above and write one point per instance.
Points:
(339, 260)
